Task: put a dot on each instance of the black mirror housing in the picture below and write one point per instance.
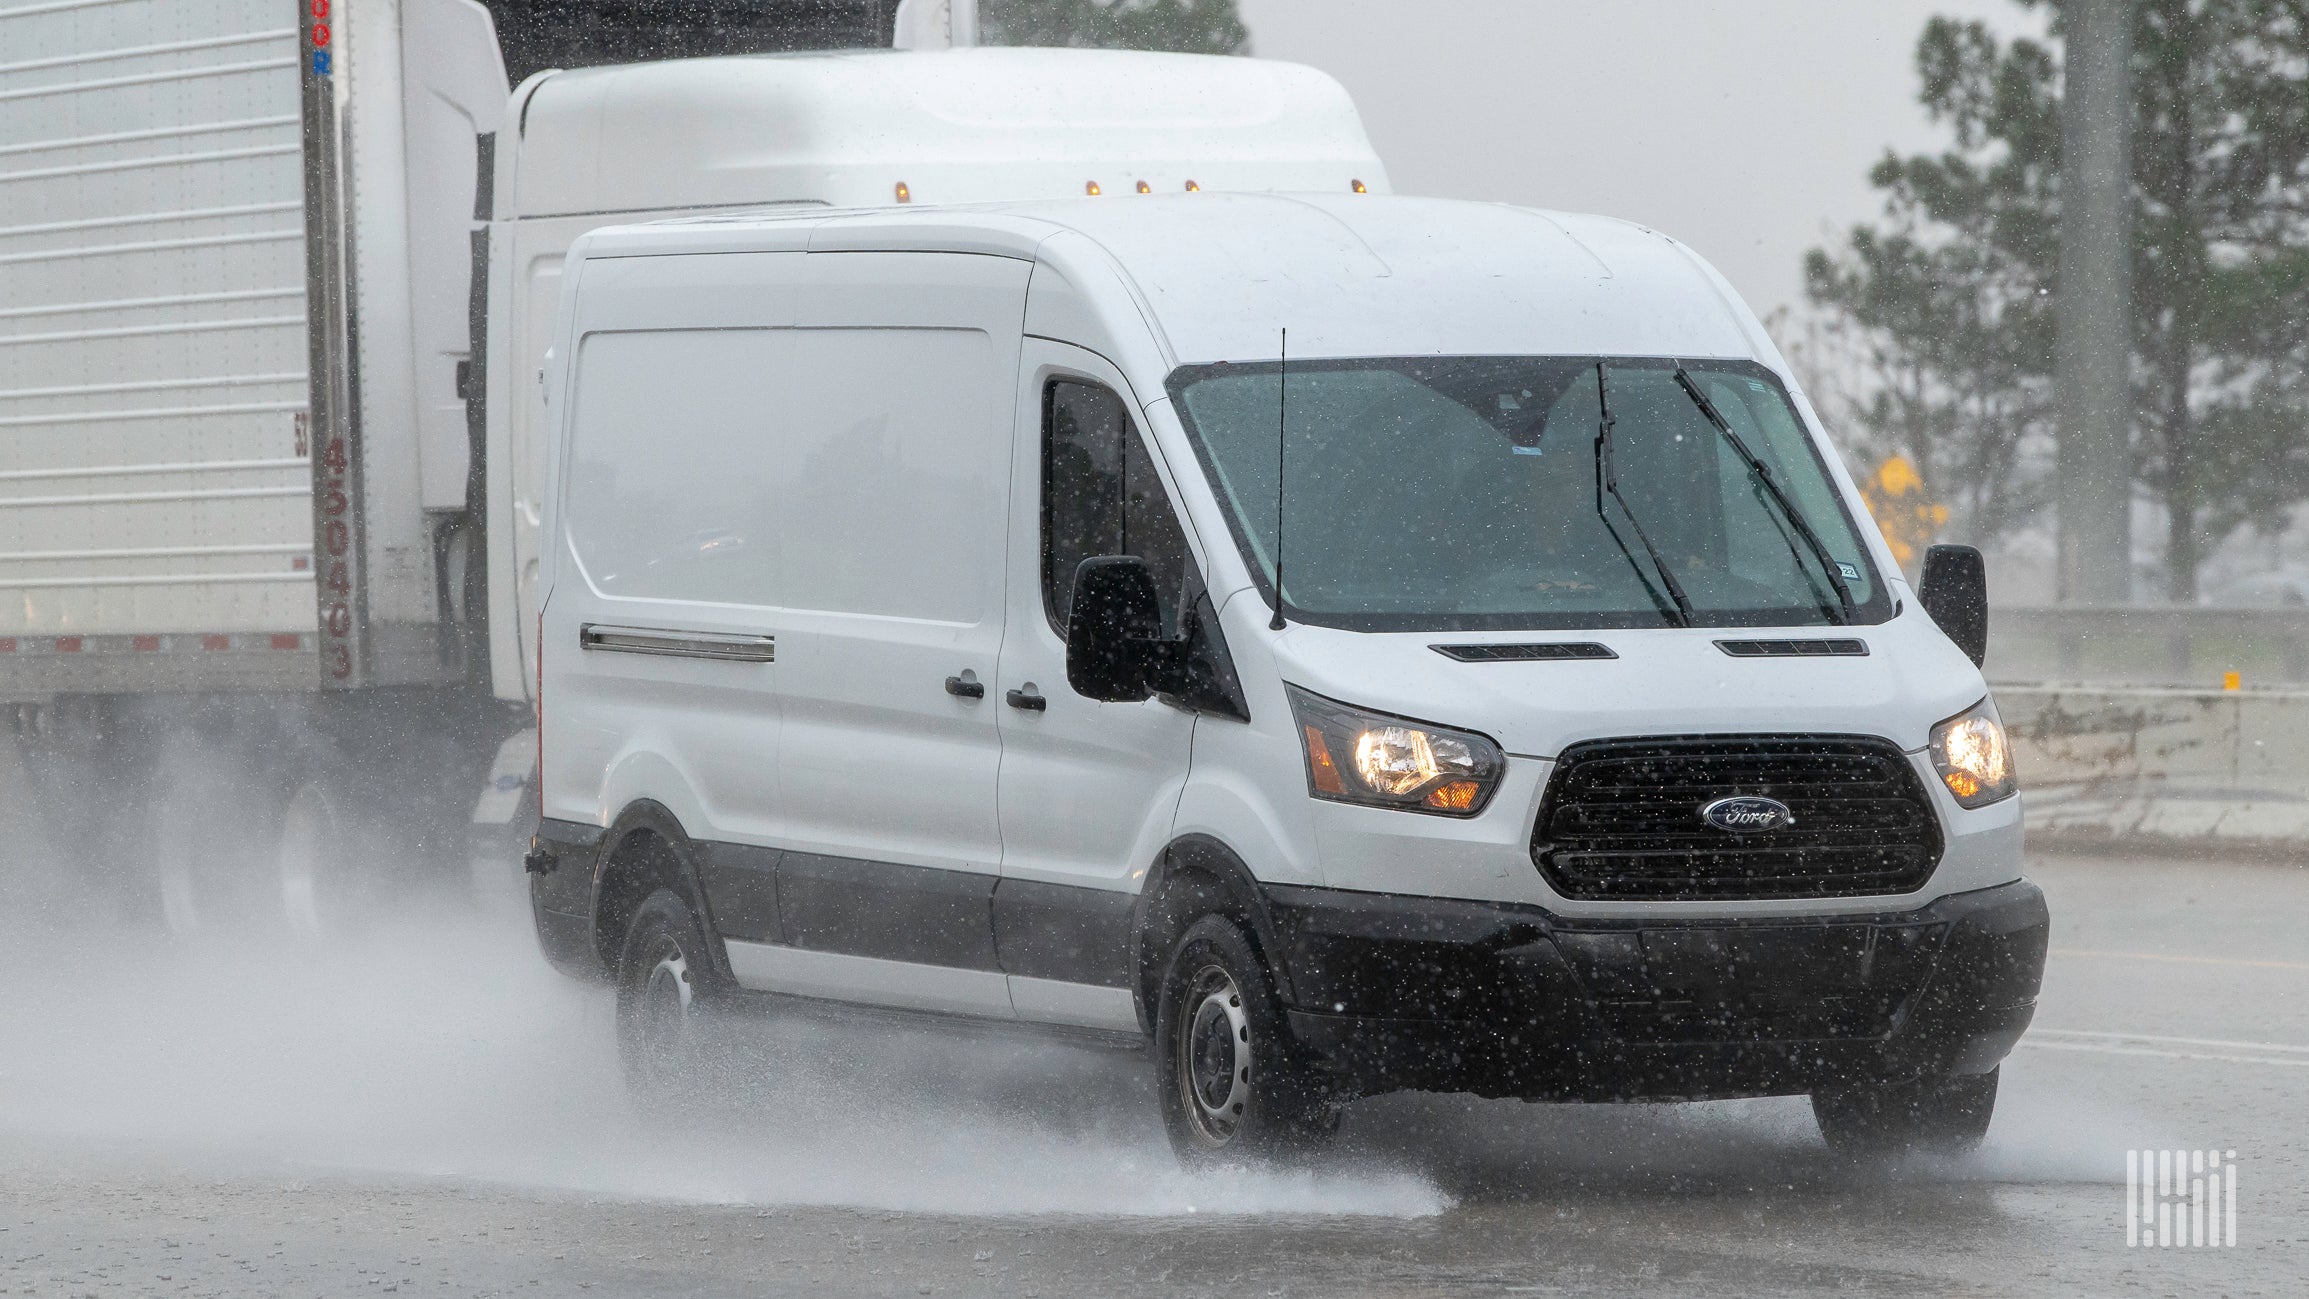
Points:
(1954, 591)
(1114, 630)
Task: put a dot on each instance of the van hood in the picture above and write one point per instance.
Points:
(1661, 682)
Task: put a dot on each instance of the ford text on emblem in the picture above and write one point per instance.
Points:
(1748, 814)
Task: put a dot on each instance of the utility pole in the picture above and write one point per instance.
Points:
(2095, 305)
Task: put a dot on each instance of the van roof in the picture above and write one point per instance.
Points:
(1220, 275)
(956, 126)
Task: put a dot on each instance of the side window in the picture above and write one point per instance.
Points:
(1101, 496)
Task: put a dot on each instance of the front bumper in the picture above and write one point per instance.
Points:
(1500, 999)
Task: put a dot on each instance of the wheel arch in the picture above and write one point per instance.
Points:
(646, 849)
(1197, 875)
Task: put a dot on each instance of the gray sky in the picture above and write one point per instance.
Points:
(1744, 128)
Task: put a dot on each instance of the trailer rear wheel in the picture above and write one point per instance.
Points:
(203, 831)
(321, 895)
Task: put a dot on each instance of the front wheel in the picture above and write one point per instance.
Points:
(666, 995)
(1234, 1085)
(1947, 1116)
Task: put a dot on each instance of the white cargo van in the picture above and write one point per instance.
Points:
(974, 611)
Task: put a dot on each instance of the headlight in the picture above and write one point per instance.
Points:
(1973, 758)
(1355, 756)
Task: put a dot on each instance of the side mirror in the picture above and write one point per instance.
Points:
(1114, 646)
(1954, 590)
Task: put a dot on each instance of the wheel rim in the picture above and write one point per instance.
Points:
(662, 1012)
(308, 838)
(1214, 1056)
(193, 855)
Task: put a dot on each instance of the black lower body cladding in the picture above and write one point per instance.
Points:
(1506, 1000)
(561, 865)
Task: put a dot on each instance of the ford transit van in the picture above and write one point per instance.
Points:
(1344, 642)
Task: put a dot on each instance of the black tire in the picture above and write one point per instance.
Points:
(1234, 1085)
(668, 1004)
(326, 867)
(1941, 1116)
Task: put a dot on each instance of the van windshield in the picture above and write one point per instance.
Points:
(1481, 493)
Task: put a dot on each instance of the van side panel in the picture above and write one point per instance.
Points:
(894, 499)
(668, 531)
(782, 498)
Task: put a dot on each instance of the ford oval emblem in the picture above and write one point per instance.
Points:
(1748, 814)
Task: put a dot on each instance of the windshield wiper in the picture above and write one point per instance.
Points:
(1607, 480)
(1763, 475)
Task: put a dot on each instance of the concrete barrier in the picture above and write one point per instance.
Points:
(2158, 769)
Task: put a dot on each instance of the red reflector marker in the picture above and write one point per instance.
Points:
(7, 644)
(216, 642)
(68, 644)
(148, 644)
(285, 640)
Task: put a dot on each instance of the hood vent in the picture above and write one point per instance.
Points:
(1793, 649)
(1524, 653)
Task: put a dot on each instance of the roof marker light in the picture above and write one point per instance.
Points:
(1360, 187)
(1193, 188)
(1145, 188)
(905, 195)
(1091, 188)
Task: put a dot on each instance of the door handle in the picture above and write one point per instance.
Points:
(962, 689)
(1026, 697)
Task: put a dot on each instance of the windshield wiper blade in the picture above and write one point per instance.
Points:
(1607, 480)
(1763, 475)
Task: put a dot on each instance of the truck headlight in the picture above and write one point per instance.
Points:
(1355, 756)
(1973, 757)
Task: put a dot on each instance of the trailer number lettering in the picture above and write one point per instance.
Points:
(336, 575)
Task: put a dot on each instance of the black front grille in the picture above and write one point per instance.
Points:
(1622, 821)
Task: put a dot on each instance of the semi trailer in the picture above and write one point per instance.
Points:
(277, 282)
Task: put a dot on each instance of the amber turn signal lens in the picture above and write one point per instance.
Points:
(1323, 771)
(905, 195)
(1458, 796)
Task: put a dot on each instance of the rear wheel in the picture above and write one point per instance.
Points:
(1946, 1116)
(206, 825)
(323, 891)
(1234, 1085)
(666, 998)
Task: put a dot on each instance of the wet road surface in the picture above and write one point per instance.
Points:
(429, 1110)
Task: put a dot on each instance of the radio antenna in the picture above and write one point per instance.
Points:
(1282, 429)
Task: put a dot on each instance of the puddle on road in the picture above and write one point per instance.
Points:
(441, 1045)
